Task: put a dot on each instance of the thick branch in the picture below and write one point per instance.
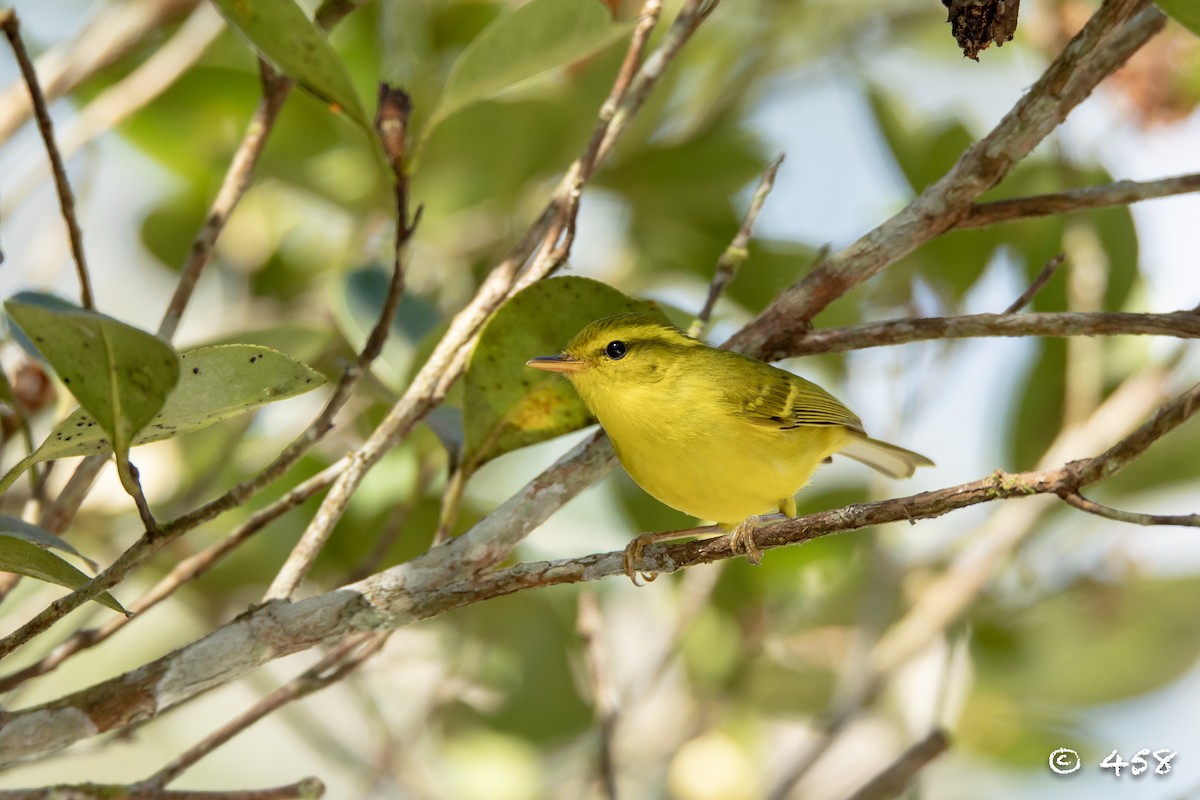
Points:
(1116, 31)
(435, 583)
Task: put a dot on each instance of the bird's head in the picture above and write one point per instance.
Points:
(619, 353)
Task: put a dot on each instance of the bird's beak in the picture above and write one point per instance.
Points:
(564, 364)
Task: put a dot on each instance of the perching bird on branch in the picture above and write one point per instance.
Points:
(710, 432)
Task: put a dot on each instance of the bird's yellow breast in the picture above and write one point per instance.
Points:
(682, 444)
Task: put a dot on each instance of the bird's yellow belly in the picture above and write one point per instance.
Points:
(728, 476)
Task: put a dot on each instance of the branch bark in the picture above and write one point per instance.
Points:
(435, 583)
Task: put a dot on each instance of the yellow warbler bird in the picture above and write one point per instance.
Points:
(712, 433)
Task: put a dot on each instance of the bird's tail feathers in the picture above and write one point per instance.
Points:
(893, 461)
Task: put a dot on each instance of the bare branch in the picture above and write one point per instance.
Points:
(1179, 324)
(1073, 498)
(237, 179)
(336, 665)
(897, 775)
(132, 93)
(738, 250)
(187, 570)
(66, 198)
(1110, 37)
(1041, 280)
(1118, 193)
(108, 36)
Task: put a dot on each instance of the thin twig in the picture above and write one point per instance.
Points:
(149, 80)
(590, 624)
(1041, 280)
(66, 198)
(1073, 498)
(104, 38)
(184, 572)
(1179, 324)
(336, 665)
(1116, 31)
(738, 250)
(237, 179)
(897, 775)
(1117, 193)
(391, 124)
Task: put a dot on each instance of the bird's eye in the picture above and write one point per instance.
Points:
(616, 350)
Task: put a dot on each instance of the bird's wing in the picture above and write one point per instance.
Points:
(779, 399)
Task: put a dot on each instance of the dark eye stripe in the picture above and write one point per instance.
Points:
(616, 350)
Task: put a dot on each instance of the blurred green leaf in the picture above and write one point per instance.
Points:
(523, 43)
(923, 153)
(1039, 407)
(282, 34)
(120, 375)
(363, 293)
(216, 383)
(1095, 643)
(954, 261)
(524, 666)
(1185, 12)
(20, 529)
(21, 556)
(509, 405)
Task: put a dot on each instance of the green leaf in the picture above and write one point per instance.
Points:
(20, 529)
(508, 405)
(1185, 12)
(216, 383)
(528, 41)
(1095, 643)
(281, 33)
(25, 558)
(119, 374)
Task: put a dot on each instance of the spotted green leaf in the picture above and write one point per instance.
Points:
(508, 405)
(120, 375)
(215, 383)
(23, 557)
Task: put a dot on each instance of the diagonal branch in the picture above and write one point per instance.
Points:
(66, 198)
(1110, 37)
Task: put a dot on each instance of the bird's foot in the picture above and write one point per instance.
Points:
(742, 539)
(633, 551)
(633, 560)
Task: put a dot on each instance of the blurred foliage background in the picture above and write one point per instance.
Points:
(1085, 637)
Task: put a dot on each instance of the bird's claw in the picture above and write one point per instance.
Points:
(633, 561)
(742, 540)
